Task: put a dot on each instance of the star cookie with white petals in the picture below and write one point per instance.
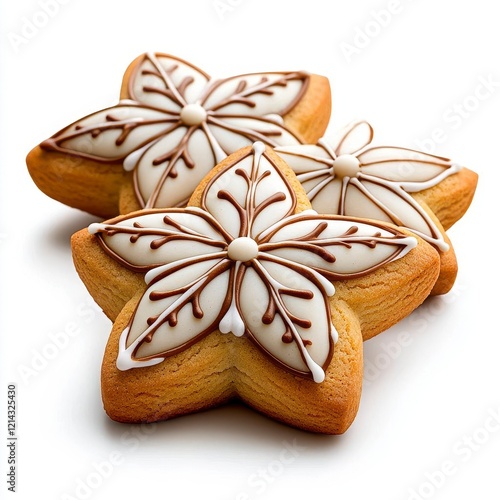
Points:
(424, 193)
(172, 125)
(247, 293)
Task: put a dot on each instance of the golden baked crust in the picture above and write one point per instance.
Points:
(220, 367)
(451, 198)
(446, 203)
(76, 182)
(217, 369)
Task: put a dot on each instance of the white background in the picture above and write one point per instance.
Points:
(425, 427)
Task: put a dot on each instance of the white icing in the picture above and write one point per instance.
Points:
(132, 160)
(415, 187)
(269, 181)
(166, 73)
(243, 262)
(353, 254)
(346, 177)
(193, 114)
(192, 225)
(97, 135)
(351, 139)
(280, 277)
(95, 228)
(235, 132)
(258, 150)
(243, 249)
(148, 178)
(125, 362)
(152, 131)
(232, 322)
(278, 92)
(174, 191)
(275, 118)
(189, 280)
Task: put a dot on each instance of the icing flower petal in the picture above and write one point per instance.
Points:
(166, 82)
(156, 238)
(306, 159)
(235, 131)
(112, 133)
(249, 197)
(326, 196)
(180, 306)
(257, 94)
(313, 165)
(335, 247)
(412, 170)
(353, 138)
(390, 203)
(165, 173)
(288, 316)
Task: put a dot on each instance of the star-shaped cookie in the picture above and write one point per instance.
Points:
(247, 293)
(427, 194)
(173, 124)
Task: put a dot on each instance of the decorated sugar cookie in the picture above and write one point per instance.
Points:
(247, 293)
(173, 124)
(424, 193)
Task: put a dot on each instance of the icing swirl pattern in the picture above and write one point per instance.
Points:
(177, 124)
(243, 262)
(346, 177)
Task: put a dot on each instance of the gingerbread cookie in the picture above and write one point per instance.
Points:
(247, 293)
(424, 193)
(172, 125)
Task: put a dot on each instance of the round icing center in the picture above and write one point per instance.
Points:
(346, 166)
(242, 249)
(193, 114)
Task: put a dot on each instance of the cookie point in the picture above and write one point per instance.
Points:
(346, 166)
(193, 114)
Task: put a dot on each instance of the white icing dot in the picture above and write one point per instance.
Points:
(346, 166)
(193, 114)
(258, 148)
(95, 227)
(243, 249)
